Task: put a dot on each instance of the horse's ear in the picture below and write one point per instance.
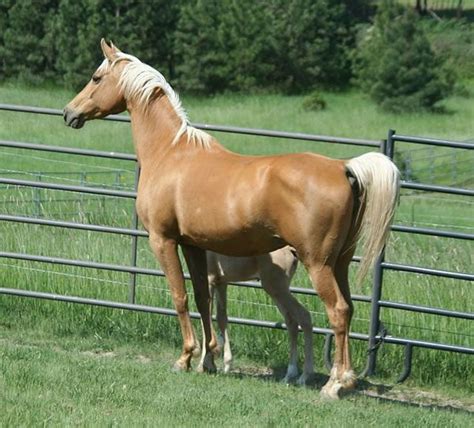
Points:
(115, 48)
(109, 50)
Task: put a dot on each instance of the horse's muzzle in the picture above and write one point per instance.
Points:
(72, 118)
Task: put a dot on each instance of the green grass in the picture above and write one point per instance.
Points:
(92, 381)
(348, 115)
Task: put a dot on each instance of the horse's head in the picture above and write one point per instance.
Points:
(102, 95)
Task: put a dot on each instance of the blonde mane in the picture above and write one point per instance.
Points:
(139, 81)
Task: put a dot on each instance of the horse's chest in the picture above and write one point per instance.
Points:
(155, 208)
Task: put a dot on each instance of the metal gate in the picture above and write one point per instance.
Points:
(376, 334)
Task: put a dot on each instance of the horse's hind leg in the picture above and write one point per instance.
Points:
(214, 345)
(197, 265)
(333, 289)
(222, 322)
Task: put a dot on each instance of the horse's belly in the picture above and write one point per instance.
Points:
(236, 243)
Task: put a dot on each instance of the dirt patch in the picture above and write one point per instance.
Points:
(104, 354)
(142, 359)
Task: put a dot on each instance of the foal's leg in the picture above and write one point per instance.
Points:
(276, 283)
(292, 327)
(197, 264)
(222, 322)
(334, 291)
(166, 251)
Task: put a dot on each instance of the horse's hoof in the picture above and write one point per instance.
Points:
(178, 367)
(208, 365)
(331, 390)
(291, 375)
(304, 379)
(211, 369)
(288, 380)
(335, 389)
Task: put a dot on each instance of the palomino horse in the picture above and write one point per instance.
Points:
(194, 193)
(275, 270)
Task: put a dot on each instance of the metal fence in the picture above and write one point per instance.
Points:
(376, 334)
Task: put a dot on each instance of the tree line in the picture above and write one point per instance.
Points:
(205, 45)
(209, 46)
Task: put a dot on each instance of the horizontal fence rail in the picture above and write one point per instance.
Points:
(70, 188)
(217, 128)
(234, 320)
(374, 336)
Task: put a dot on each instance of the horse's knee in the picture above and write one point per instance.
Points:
(181, 304)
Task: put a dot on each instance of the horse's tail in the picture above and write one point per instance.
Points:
(378, 181)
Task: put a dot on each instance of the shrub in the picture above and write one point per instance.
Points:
(314, 102)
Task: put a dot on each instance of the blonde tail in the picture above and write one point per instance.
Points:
(379, 183)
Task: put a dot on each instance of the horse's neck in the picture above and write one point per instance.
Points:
(154, 128)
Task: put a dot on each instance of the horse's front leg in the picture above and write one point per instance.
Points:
(166, 251)
(197, 265)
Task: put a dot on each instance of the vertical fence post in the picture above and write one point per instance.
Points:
(37, 196)
(133, 276)
(389, 144)
(375, 324)
(81, 195)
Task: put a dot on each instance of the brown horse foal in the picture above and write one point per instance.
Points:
(194, 193)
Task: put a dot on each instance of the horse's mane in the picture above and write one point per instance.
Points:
(139, 81)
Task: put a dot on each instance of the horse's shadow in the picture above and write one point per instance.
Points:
(277, 375)
(316, 381)
(365, 388)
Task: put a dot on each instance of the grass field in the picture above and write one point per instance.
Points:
(91, 381)
(348, 115)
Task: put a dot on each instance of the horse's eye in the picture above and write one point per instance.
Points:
(96, 79)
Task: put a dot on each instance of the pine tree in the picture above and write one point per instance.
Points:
(77, 49)
(144, 29)
(25, 48)
(277, 44)
(313, 43)
(201, 62)
(395, 64)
